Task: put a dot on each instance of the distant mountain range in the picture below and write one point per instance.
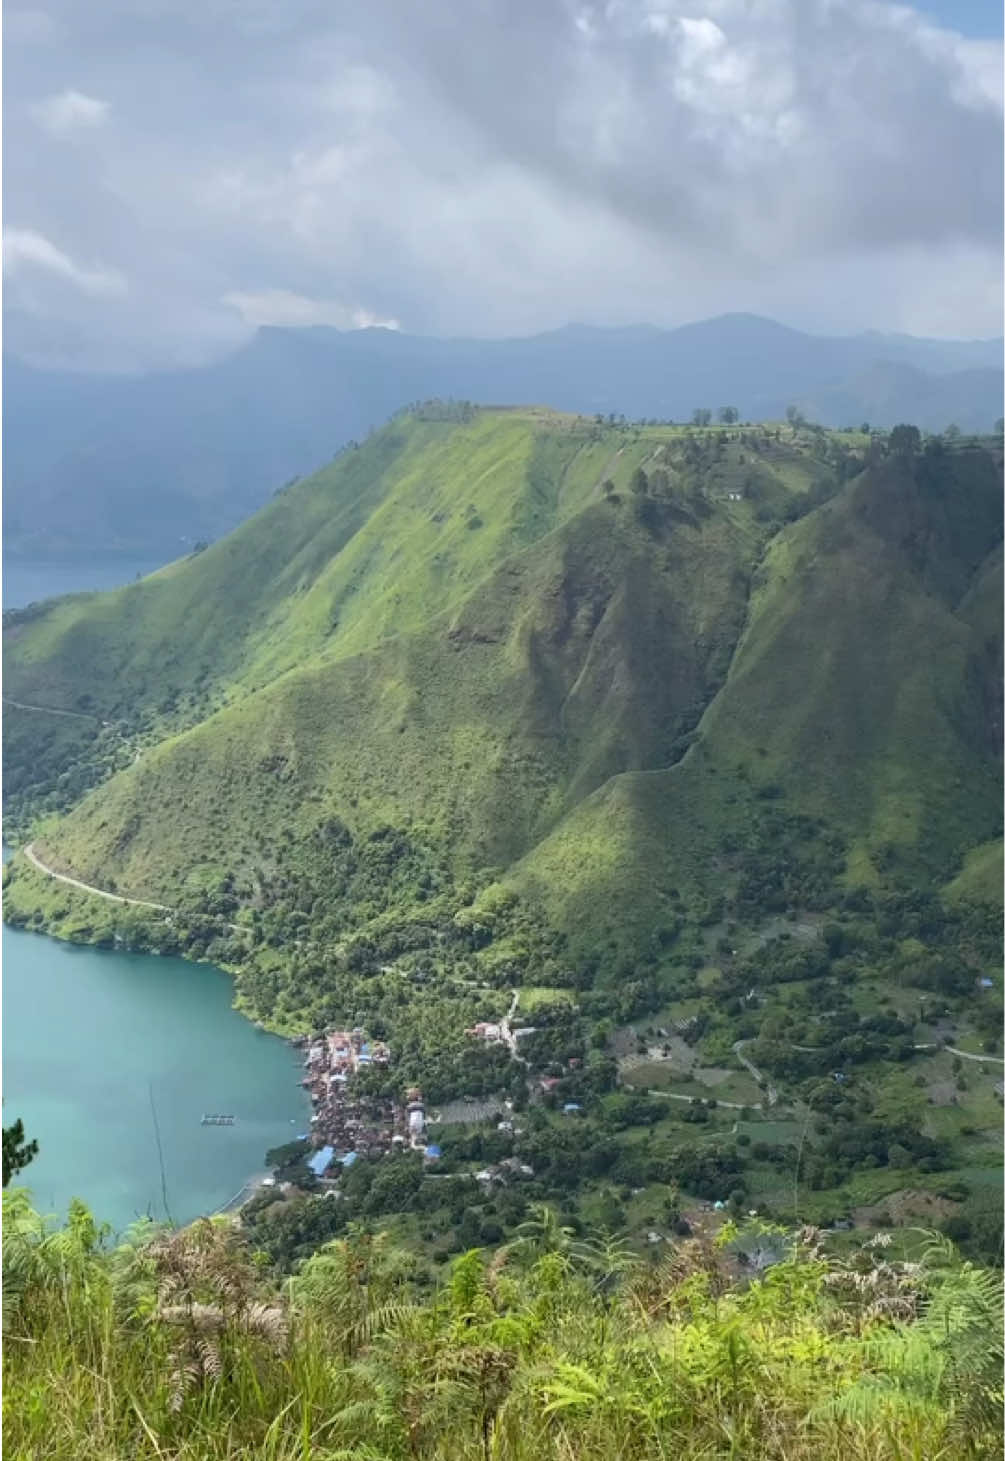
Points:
(152, 464)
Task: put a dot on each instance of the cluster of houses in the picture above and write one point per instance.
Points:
(347, 1123)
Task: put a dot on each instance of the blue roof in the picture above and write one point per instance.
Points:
(349, 1158)
(321, 1161)
(572, 1106)
(433, 1151)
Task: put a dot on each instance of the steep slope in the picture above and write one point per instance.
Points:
(475, 693)
(155, 464)
(862, 699)
(584, 655)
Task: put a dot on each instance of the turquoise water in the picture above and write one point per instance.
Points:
(96, 1042)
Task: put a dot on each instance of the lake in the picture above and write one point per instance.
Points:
(29, 580)
(103, 1049)
(96, 1042)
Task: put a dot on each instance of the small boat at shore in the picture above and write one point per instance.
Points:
(218, 1120)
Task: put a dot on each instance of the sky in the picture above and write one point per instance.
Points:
(180, 172)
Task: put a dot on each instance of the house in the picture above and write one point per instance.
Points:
(349, 1159)
(985, 983)
(433, 1152)
(571, 1107)
(518, 1168)
(484, 1030)
(548, 1082)
(321, 1161)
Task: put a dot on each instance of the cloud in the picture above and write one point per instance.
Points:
(70, 112)
(23, 249)
(835, 163)
(281, 307)
(29, 27)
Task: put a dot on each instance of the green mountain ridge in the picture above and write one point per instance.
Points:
(605, 708)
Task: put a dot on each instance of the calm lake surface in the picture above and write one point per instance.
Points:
(90, 1035)
(29, 580)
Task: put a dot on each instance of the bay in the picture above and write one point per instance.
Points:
(103, 1051)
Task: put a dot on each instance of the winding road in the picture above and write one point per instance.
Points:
(36, 862)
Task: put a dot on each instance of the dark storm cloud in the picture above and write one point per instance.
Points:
(177, 172)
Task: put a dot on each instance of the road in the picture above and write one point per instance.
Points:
(690, 1100)
(749, 1065)
(506, 1031)
(37, 862)
(963, 1054)
(51, 710)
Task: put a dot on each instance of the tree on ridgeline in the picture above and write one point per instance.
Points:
(17, 1152)
(701, 416)
(728, 415)
(905, 441)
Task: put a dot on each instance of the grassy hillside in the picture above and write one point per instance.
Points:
(689, 737)
(476, 630)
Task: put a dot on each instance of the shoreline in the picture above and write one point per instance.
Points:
(97, 899)
(49, 929)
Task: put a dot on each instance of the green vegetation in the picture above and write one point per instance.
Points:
(657, 726)
(17, 1151)
(183, 1345)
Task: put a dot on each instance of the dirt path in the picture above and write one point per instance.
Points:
(749, 1065)
(37, 862)
(963, 1054)
(51, 710)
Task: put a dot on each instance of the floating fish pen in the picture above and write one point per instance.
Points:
(218, 1120)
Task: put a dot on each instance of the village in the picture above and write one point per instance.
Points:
(348, 1123)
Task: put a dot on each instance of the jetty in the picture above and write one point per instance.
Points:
(218, 1120)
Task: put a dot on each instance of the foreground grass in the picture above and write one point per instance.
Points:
(179, 1345)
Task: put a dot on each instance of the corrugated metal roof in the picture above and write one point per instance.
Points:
(321, 1161)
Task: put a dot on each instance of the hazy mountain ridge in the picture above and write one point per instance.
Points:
(156, 463)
